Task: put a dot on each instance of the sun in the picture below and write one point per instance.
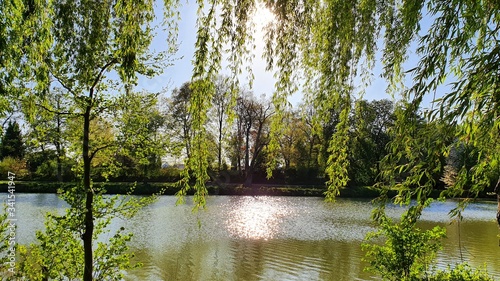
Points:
(262, 17)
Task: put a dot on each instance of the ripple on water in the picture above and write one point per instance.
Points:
(287, 218)
(271, 238)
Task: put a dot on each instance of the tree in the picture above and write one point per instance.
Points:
(66, 260)
(253, 117)
(312, 146)
(180, 116)
(332, 42)
(48, 129)
(407, 251)
(140, 126)
(290, 138)
(8, 246)
(221, 111)
(371, 122)
(12, 144)
(299, 143)
(74, 47)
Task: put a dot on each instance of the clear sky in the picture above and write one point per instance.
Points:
(181, 71)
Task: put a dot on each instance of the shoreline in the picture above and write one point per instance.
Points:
(170, 188)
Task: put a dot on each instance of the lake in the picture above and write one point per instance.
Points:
(271, 238)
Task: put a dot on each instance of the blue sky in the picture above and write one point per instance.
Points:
(174, 76)
(181, 71)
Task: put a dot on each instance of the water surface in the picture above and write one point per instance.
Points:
(271, 238)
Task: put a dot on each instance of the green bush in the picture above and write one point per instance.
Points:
(407, 251)
(170, 174)
(461, 272)
(14, 165)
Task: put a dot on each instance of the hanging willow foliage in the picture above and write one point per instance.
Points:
(323, 43)
(326, 45)
(323, 46)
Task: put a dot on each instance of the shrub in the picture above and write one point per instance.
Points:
(170, 174)
(407, 251)
(7, 245)
(461, 272)
(14, 165)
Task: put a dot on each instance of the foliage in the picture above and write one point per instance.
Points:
(407, 250)
(179, 121)
(371, 122)
(7, 249)
(12, 144)
(222, 115)
(293, 141)
(170, 174)
(14, 165)
(140, 136)
(461, 42)
(417, 155)
(102, 140)
(49, 131)
(62, 239)
(43, 165)
(461, 272)
(57, 255)
(253, 129)
(72, 47)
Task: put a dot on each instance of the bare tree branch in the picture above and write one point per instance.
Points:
(58, 112)
(63, 83)
(99, 149)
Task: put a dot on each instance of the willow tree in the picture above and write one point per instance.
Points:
(332, 45)
(84, 48)
(324, 40)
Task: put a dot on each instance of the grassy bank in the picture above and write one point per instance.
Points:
(172, 189)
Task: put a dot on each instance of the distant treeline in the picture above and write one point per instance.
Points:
(48, 149)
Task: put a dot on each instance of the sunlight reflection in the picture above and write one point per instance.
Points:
(256, 218)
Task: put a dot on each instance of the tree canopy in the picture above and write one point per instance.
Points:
(11, 144)
(327, 46)
(324, 44)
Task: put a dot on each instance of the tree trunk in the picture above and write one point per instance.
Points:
(248, 176)
(497, 191)
(219, 154)
(219, 145)
(247, 150)
(310, 162)
(89, 216)
(59, 169)
(58, 143)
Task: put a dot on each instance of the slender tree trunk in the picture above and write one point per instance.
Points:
(59, 168)
(58, 142)
(89, 216)
(497, 191)
(310, 158)
(248, 173)
(249, 176)
(219, 149)
(238, 145)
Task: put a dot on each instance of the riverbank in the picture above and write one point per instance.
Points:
(226, 189)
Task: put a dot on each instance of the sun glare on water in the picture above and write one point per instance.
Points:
(256, 218)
